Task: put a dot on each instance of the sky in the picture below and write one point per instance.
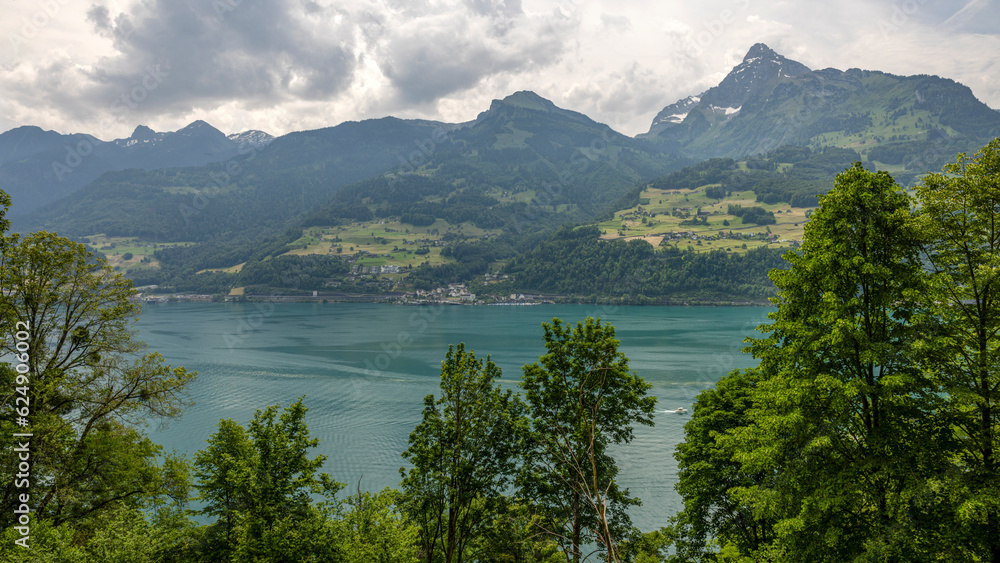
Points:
(105, 66)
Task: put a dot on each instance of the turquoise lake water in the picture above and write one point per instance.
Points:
(365, 369)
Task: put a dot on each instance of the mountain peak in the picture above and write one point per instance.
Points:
(761, 68)
(760, 55)
(253, 138)
(529, 100)
(200, 127)
(761, 51)
(197, 124)
(524, 99)
(143, 133)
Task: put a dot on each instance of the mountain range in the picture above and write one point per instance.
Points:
(768, 101)
(513, 175)
(38, 167)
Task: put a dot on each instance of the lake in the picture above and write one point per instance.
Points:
(365, 369)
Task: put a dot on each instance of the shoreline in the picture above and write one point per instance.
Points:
(396, 300)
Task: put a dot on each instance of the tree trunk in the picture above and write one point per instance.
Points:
(576, 527)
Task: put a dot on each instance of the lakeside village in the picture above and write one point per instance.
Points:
(454, 294)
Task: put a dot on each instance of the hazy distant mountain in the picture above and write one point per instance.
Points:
(252, 190)
(196, 144)
(767, 101)
(520, 144)
(38, 167)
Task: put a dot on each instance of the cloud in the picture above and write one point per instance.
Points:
(444, 50)
(616, 24)
(100, 17)
(172, 57)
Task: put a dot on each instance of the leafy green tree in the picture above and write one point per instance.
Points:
(464, 454)
(582, 398)
(375, 531)
(648, 548)
(708, 474)
(258, 482)
(960, 210)
(842, 413)
(88, 386)
(516, 535)
(224, 471)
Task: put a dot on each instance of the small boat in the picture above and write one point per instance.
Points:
(678, 410)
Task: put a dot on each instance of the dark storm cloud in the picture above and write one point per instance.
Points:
(172, 56)
(100, 18)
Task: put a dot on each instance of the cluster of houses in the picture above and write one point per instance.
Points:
(685, 212)
(638, 214)
(730, 235)
(180, 297)
(494, 278)
(384, 269)
(455, 292)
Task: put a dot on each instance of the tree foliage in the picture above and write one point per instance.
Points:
(88, 385)
(259, 481)
(960, 212)
(464, 454)
(868, 430)
(582, 398)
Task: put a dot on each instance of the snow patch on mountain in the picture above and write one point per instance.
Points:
(675, 113)
(251, 139)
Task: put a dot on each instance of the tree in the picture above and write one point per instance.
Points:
(960, 212)
(708, 476)
(224, 469)
(87, 387)
(258, 482)
(842, 414)
(582, 398)
(464, 454)
(374, 530)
